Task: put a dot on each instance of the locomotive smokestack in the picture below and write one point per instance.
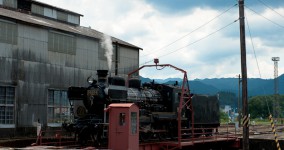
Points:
(102, 76)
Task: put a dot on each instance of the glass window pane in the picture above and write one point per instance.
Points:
(59, 111)
(2, 114)
(8, 32)
(57, 114)
(9, 115)
(2, 95)
(57, 98)
(65, 101)
(7, 96)
(10, 95)
(133, 122)
(50, 113)
(50, 97)
(2, 30)
(61, 43)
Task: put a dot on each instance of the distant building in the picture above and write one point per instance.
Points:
(227, 109)
(43, 51)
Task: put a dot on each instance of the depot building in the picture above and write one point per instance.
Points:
(43, 51)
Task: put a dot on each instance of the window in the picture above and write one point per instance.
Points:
(61, 43)
(37, 9)
(10, 3)
(8, 32)
(74, 19)
(122, 119)
(24, 5)
(62, 16)
(133, 122)
(7, 102)
(58, 106)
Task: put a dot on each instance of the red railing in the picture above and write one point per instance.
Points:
(54, 138)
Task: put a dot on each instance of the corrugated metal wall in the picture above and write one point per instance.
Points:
(32, 69)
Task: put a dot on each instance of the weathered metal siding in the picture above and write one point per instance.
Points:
(31, 56)
(8, 64)
(39, 70)
(129, 60)
(32, 69)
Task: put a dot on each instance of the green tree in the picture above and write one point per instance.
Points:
(228, 98)
(224, 118)
(262, 106)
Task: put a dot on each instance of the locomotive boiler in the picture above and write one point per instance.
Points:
(158, 108)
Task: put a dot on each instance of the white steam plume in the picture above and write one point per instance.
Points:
(107, 46)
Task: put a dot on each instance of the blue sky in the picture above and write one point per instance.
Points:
(200, 37)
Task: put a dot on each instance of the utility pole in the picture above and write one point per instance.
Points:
(239, 107)
(244, 76)
(276, 107)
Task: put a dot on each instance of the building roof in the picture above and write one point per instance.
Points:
(50, 23)
(121, 105)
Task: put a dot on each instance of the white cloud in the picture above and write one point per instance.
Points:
(218, 55)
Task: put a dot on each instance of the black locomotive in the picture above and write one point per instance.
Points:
(158, 104)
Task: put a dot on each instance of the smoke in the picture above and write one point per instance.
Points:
(107, 46)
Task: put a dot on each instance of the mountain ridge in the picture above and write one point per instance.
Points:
(256, 86)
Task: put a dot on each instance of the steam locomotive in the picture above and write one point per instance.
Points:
(157, 104)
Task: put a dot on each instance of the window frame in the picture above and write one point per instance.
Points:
(37, 9)
(61, 43)
(63, 16)
(9, 120)
(10, 31)
(10, 3)
(56, 104)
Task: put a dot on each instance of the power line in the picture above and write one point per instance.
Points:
(270, 8)
(191, 31)
(265, 17)
(194, 41)
(257, 62)
(253, 48)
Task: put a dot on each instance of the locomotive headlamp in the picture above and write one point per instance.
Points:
(91, 80)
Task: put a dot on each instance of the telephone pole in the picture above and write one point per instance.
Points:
(244, 76)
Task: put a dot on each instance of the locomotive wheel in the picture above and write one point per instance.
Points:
(84, 136)
(162, 136)
(145, 136)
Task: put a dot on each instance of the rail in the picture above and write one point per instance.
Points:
(225, 133)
